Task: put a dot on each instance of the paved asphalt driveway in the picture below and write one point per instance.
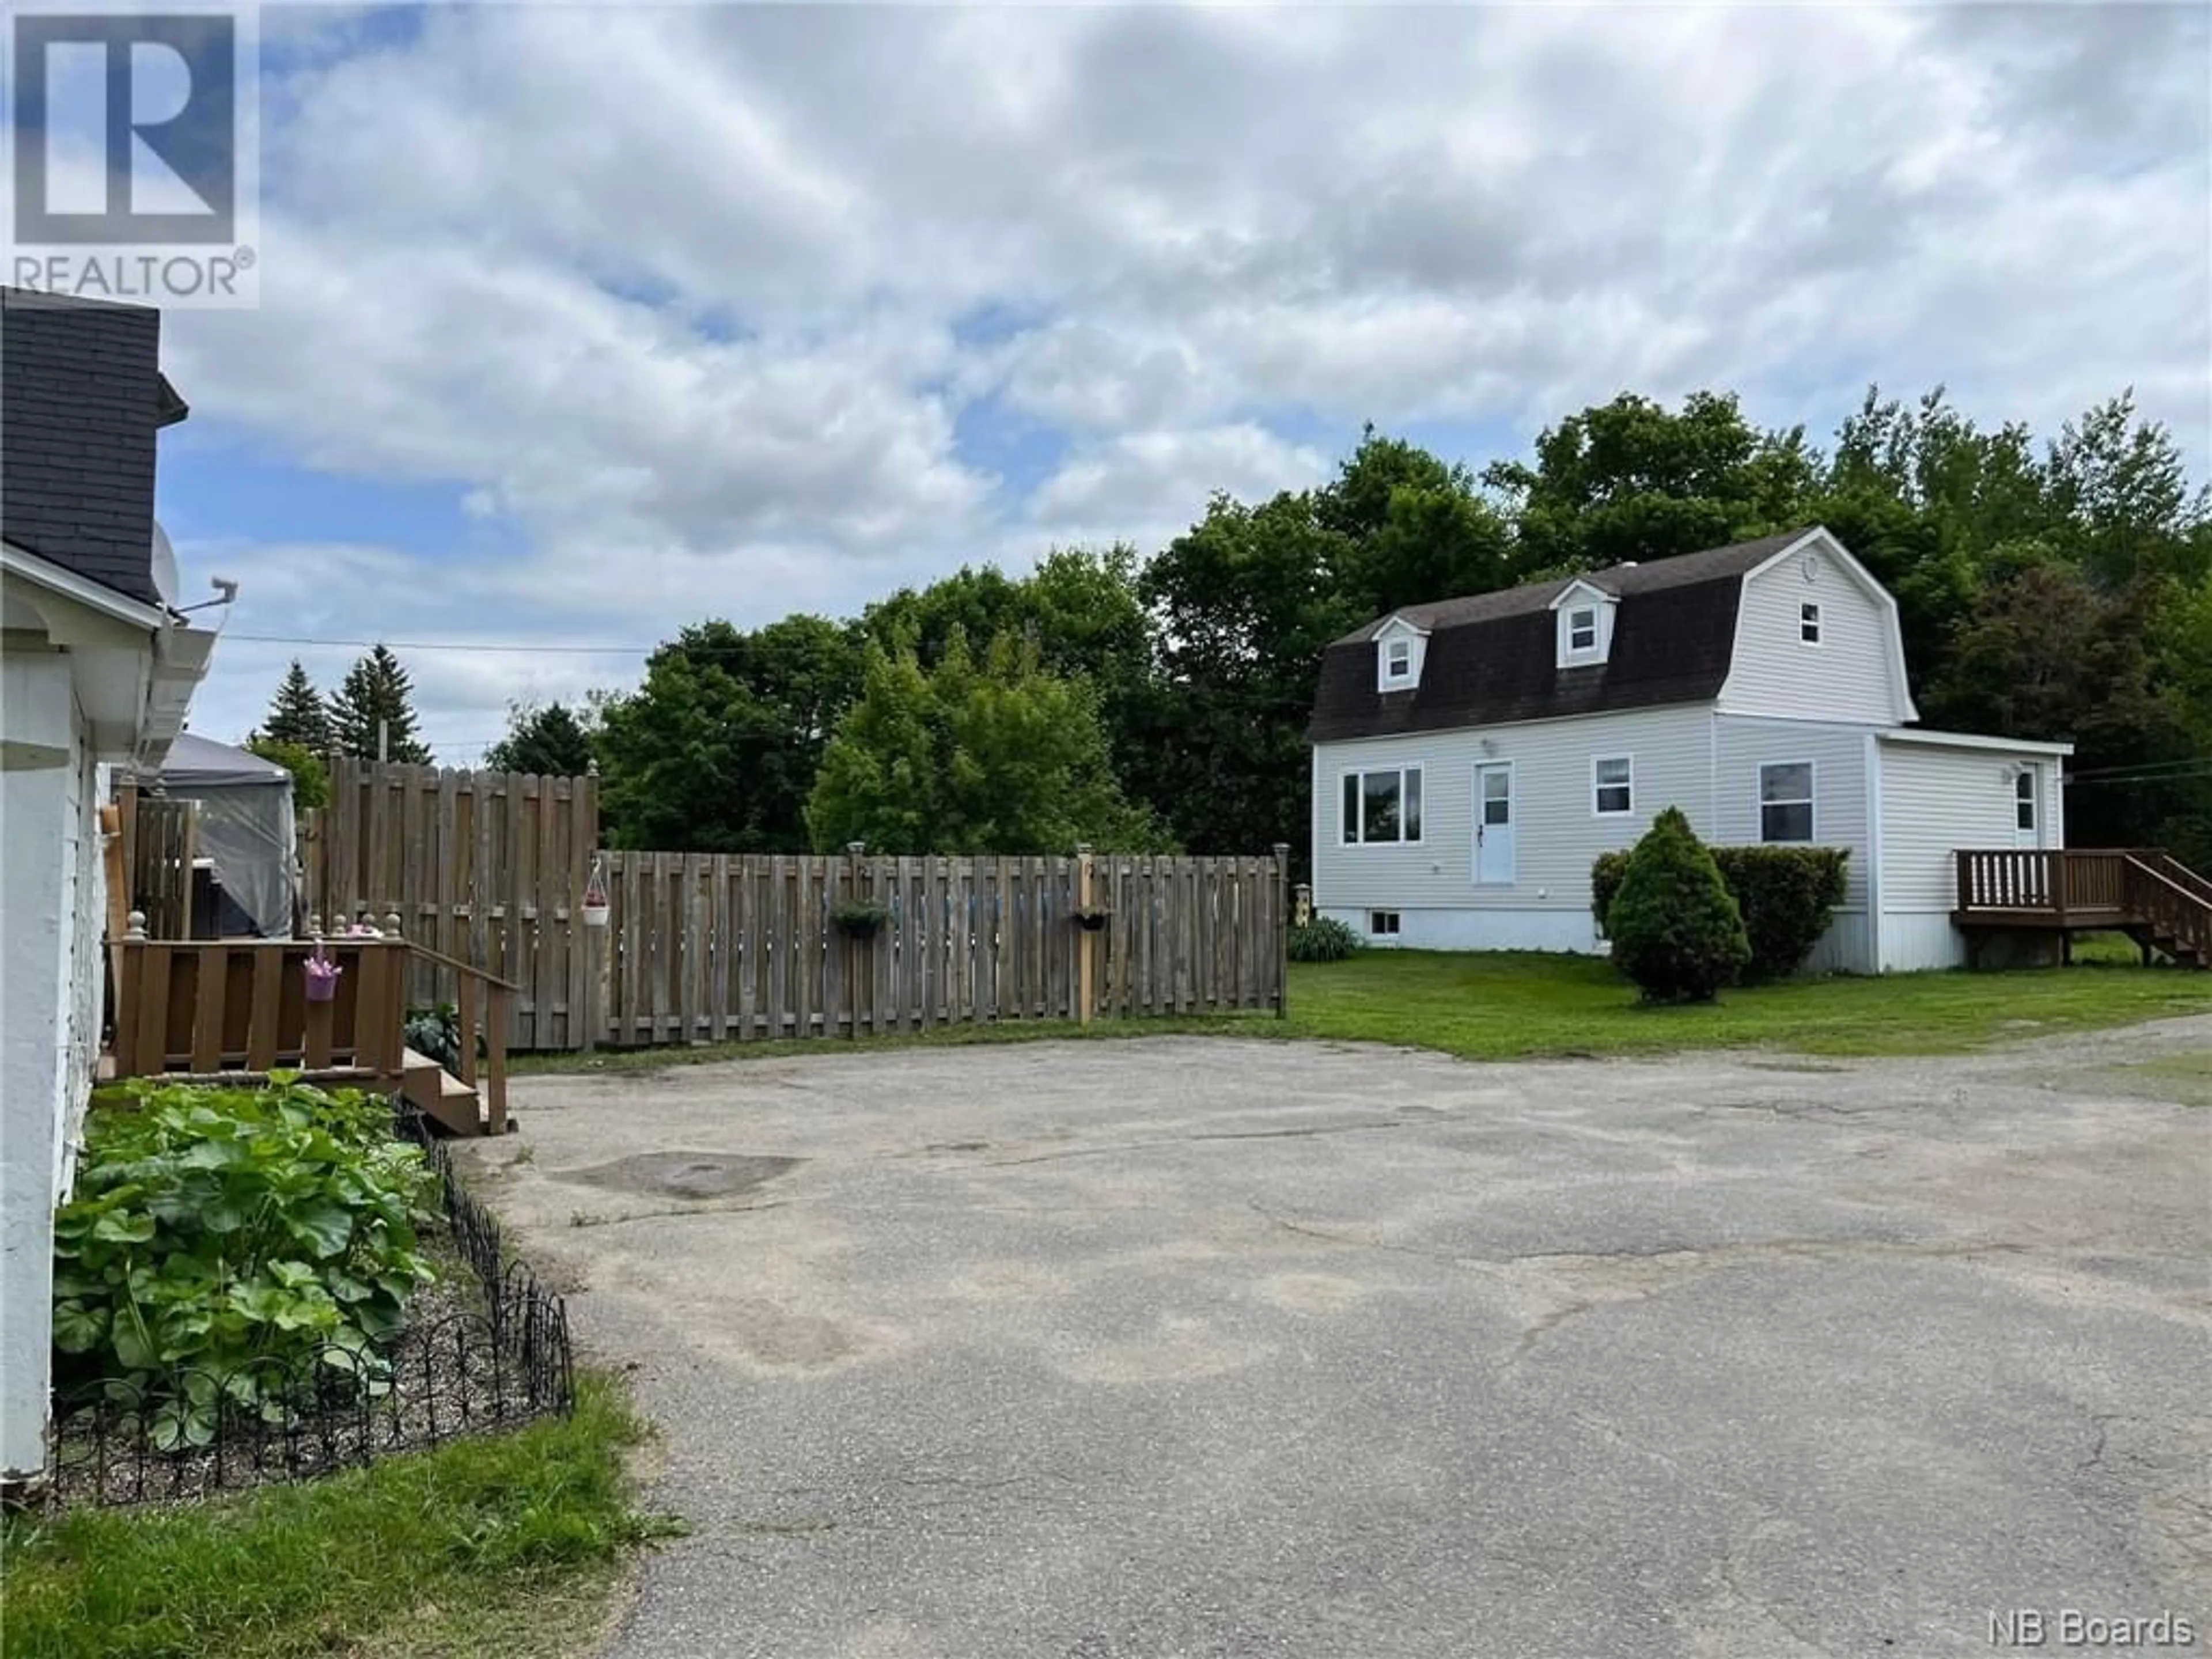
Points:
(1181, 1346)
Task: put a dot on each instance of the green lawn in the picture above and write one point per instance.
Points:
(505, 1547)
(1514, 1005)
(1506, 1006)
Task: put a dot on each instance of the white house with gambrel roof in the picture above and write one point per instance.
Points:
(1472, 758)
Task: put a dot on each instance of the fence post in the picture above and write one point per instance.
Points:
(1086, 940)
(854, 850)
(1282, 931)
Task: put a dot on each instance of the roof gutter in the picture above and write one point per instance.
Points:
(94, 596)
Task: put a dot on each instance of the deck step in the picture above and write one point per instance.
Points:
(438, 1094)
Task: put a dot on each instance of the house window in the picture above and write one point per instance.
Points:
(2023, 801)
(1809, 623)
(1398, 660)
(1382, 924)
(1382, 806)
(1581, 631)
(1612, 787)
(1785, 801)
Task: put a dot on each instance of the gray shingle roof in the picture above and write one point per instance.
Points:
(1492, 657)
(80, 397)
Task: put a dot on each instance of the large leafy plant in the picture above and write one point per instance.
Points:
(433, 1031)
(236, 1244)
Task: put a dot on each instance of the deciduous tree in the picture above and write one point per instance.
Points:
(995, 756)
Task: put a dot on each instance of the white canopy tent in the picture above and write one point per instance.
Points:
(246, 830)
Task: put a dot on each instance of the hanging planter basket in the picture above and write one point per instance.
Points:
(1089, 917)
(595, 895)
(322, 978)
(859, 919)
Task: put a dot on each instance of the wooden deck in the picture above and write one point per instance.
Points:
(2144, 892)
(222, 1009)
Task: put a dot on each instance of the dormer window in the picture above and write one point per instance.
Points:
(1399, 648)
(1584, 616)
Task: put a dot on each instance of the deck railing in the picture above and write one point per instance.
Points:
(2173, 908)
(2061, 883)
(2145, 891)
(482, 1005)
(203, 1007)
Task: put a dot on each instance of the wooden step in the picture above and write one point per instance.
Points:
(438, 1094)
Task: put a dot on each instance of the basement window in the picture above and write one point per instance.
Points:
(1382, 924)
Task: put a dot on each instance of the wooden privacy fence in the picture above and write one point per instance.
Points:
(710, 947)
(485, 867)
(161, 840)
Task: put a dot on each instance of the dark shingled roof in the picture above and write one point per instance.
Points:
(1492, 657)
(81, 395)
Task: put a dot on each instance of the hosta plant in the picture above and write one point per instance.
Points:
(234, 1242)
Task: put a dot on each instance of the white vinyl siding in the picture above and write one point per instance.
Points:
(1772, 671)
(1558, 834)
(1935, 802)
(1838, 756)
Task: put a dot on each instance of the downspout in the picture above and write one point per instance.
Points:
(1874, 942)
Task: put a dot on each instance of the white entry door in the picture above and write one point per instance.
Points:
(2027, 807)
(1493, 824)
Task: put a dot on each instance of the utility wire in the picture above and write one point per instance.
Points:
(448, 645)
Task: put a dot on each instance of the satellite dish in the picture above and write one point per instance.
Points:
(165, 567)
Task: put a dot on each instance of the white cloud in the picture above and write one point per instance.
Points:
(1146, 487)
(670, 295)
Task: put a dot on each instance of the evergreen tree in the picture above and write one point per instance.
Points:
(298, 715)
(1674, 926)
(376, 703)
(550, 741)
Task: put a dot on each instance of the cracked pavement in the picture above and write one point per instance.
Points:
(1163, 1346)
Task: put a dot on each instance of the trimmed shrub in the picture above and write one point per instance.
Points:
(1675, 930)
(1786, 895)
(1323, 940)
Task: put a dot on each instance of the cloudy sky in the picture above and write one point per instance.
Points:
(579, 324)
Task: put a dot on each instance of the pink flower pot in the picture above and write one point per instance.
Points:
(322, 979)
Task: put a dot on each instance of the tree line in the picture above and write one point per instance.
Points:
(2052, 589)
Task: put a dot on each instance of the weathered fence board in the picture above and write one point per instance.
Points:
(745, 948)
(161, 840)
(487, 866)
